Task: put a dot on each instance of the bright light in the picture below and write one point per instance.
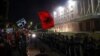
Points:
(33, 35)
(61, 10)
(55, 13)
(71, 4)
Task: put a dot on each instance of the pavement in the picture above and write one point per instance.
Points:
(32, 52)
(35, 50)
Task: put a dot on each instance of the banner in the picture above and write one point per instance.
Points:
(21, 23)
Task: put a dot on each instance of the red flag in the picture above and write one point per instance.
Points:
(46, 19)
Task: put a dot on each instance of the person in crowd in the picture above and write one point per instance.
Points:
(14, 46)
(8, 49)
(67, 46)
(87, 46)
(84, 44)
(72, 44)
(92, 46)
(22, 45)
(2, 49)
(77, 46)
(98, 48)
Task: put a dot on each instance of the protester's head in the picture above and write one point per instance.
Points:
(66, 37)
(71, 37)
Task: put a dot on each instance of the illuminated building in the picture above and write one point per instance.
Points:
(77, 16)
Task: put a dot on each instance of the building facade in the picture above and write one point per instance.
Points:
(77, 16)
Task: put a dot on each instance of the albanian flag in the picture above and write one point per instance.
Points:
(46, 19)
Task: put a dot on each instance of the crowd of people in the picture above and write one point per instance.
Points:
(13, 44)
(72, 45)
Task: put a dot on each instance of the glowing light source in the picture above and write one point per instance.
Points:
(55, 14)
(61, 10)
(33, 35)
(71, 4)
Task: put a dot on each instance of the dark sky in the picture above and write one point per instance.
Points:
(28, 8)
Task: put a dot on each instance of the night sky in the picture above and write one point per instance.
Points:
(28, 8)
